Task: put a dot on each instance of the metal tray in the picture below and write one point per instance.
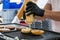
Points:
(14, 25)
(46, 35)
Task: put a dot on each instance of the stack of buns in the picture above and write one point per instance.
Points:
(6, 28)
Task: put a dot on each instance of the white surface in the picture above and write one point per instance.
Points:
(41, 3)
(16, 20)
(16, 1)
(1, 6)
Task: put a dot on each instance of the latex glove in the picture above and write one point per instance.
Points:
(32, 8)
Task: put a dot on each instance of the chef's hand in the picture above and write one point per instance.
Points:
(40, 18)
(32, 8)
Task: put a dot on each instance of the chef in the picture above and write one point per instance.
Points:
(52, 11)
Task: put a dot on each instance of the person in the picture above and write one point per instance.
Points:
(51, 11)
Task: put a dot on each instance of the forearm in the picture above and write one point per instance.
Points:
(52, 15)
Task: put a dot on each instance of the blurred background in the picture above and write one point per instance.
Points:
(8, 15)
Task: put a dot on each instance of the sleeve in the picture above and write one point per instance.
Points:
(41, 4)
(16, 20)
(49, 1)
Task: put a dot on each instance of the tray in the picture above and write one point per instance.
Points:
(14, 33)
(45, 36)
(13, 24)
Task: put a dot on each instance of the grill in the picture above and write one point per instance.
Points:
(15, 34)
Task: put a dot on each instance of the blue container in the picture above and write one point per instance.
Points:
(8, 5)
(9, 10)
